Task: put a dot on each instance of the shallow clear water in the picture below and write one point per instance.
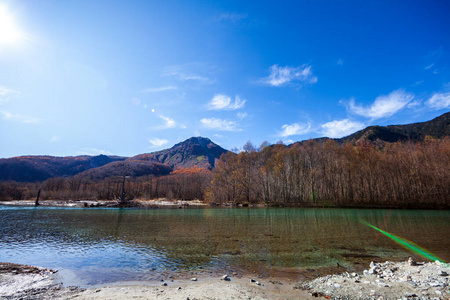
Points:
(98, 246)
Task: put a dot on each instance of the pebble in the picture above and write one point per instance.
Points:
(164, 284)
(226, 278)
(434, 283)
(194, 279)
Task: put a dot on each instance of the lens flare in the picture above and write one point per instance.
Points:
(9, 32)
(407, 244)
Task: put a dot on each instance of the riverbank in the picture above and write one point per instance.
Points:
(166, 203)
(389, 280)
(154, 203)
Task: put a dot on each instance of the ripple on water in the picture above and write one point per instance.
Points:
(102, 246)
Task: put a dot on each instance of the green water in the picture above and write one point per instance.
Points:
(98, 246)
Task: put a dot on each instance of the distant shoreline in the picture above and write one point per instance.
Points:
(165, 203)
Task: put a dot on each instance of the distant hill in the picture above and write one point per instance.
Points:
(127, 167)
(195, 151)
(38, 168)
(437, 128)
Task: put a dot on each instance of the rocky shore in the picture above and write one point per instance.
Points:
(389, 280)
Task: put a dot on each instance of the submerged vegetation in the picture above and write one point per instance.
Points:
(404, 175)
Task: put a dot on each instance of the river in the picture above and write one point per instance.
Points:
(101, 246)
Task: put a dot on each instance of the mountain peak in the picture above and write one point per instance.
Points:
(204, 142)
(195, 151)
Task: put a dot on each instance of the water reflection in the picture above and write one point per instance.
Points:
(105, 245)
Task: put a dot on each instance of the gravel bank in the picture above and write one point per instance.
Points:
(389, 280)
(26, 282)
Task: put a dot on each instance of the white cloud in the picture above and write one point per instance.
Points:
(184, 74)
(170, 123)
(413, 104)
(93, 152)
(337, 129)
(5, 93)
(280, 76)
(156, 142)
(242, 116)
(340, 62)
(429, 67)
(439, 101)
(160, 89)
(223, 102)
(214, 123)
(294, 129)
(18, 118)
(383, 106)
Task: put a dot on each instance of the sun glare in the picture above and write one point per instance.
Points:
(9, 32)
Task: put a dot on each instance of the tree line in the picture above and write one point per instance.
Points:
(404, 175)
(330, 174)
(183, 183)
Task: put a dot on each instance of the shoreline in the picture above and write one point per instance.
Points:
(156, 203)
(165, 203)
(28, 282)
(388, 280)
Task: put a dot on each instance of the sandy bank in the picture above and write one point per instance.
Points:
(18, 282)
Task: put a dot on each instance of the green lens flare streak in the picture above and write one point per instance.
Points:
(407, 244)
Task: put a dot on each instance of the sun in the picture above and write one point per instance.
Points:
(9, 32)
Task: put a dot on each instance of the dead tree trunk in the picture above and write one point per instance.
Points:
(36, 203)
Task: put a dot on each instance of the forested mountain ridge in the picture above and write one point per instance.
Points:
(437, 128)
(196, 151)
(39, 168)
(193, 152)
(371, 168)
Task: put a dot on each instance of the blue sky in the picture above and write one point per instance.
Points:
(131, 77)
